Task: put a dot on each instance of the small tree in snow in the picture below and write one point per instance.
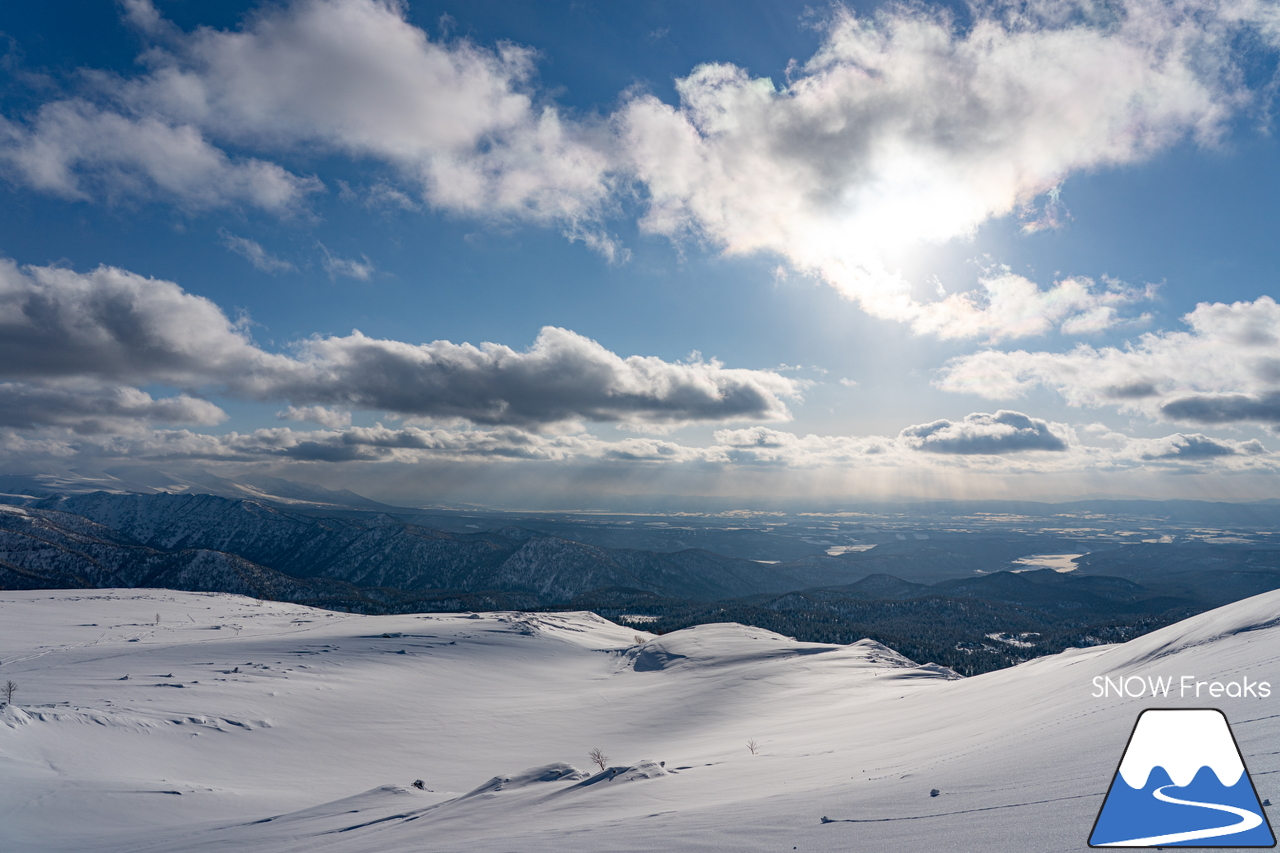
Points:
(753, 746)
(9, 689)
(597, 755)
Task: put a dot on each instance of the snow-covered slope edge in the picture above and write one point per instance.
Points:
(299, 729)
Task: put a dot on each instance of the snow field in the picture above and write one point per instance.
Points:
(332, 716)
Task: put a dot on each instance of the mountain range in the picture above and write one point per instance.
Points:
(122, 540)
(957, 599)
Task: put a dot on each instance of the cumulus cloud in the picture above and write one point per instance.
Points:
(91, 408)
(1003, 432)
(1224, 369)
(116, 326)
(1013, 306)
(762, 445)
(325, 417)
(113, 326)
(355, 77)
(906, 129)
(563, 376)
(986, 443)
(78, 150)
(460, 122)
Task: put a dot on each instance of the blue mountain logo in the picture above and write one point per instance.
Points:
(1182, 783)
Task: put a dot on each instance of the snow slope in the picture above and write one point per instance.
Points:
(260, 726)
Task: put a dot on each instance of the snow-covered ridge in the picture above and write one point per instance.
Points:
(730, 645)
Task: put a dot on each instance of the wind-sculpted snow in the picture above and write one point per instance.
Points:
(164, 722)
(1255, 614)
(733, 645)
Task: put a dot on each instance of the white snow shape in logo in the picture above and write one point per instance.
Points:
(1181, 742)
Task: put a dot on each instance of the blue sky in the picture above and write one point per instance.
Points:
(593, 250)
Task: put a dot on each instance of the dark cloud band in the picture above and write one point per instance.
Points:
(113, 327)
(1224, 408)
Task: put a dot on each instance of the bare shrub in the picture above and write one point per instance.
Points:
(753, 746)
(10, 688)
(597, 755)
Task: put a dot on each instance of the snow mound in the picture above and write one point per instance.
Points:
(927, 671)
(365, 805)
(719, 645)
(138, 721)
(561, 772)
(730, 644)
(558, 772)
(580, 627)
(631, 773)
(13, 716)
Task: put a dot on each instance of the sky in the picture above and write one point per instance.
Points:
(585, 254)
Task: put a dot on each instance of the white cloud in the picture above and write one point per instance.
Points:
(144, 15)
(355, 77)
(905, 130)
(325, 417)
(361, 270)
(1012, 306)
(1224, 369)
(761, 445)
(78, 150)
(254, 253)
